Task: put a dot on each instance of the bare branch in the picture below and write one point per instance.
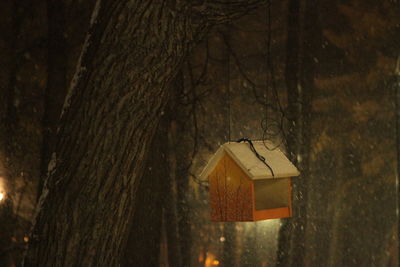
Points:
(221, 11)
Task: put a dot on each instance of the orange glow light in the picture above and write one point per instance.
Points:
(215, 262)
(201, 257)
(209, 262)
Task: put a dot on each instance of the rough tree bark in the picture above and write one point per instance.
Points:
(143, 245)
(133, 51)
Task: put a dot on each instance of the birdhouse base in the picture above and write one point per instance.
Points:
(278, 213)
(259, 215)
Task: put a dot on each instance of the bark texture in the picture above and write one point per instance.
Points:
(114, 110)
(132, 53)
(143, 247)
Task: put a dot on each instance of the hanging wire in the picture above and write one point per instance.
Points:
(272, 127)
(259, 156)
(273, 124)
(197, 180)
(229, 84)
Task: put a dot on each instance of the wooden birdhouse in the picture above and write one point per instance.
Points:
(243, 188)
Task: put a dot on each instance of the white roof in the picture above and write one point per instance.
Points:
(251, 165)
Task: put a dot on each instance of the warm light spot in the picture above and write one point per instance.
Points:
(26, 239)
(201, 257)
(215, 262)
(209, 262)
(269, 223)
(222, 239)
(2, 189)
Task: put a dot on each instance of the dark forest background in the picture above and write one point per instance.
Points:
(324, 76)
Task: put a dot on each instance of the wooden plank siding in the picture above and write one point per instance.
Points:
(231, 192)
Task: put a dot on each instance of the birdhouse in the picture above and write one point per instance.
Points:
(245, 188)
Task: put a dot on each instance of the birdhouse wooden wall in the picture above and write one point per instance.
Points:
(231, 192)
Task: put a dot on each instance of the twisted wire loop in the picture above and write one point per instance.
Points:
(260, 157)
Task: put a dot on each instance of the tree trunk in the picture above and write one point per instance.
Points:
(250, 256)
(228, 254)
(56, 81)
(177, 204)
(397, 106)
(133, 51)
(115, 108)
(312, 42)
(171, 216)
(293, 115)
(395, 258)
(300, 74)
(183, 212)
(143, 246)
(183, 148)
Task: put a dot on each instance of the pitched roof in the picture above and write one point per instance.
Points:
(251, 165)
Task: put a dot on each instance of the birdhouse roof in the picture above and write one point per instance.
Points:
(251, 165)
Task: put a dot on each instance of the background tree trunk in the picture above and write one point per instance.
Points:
(300, 75)
(293, 115)
(312, 41)
(22, 82)
(229, 248)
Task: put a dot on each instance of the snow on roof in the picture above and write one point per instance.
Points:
(251, 165)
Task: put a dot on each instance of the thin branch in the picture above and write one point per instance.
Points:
(217, 12)
(242, 72)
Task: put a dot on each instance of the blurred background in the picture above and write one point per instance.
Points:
(320, 79)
